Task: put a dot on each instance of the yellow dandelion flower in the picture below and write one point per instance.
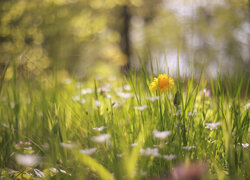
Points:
(166, 83)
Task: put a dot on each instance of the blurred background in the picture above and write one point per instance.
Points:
(80, 36)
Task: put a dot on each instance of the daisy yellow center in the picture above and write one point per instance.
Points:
(163, 82)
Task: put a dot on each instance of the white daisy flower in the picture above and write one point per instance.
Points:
(153, 99)
(68, 81)
(134, 144)
(212, 126)
(99, 128)
(83, 101)
(141, 108)
(150, 152)
(115, 104)
(102, 138)
(127, 87)
(169, 157)
(67, 145)
(39, 173)
(97, 103)
(247, 106)
(88, 151)
(108, 96)
(120, 155)
(28, 160)
(161, 134)
(86, 91)
(188, 148)
(125, 95)
(245, 145)
(53, 170)
(76, 98)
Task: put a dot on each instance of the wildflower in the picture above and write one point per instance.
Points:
(169, 157)
(125, 95)
(97, 103)
(99, 129)
(150, 152)
(83, 101)
(206, 92)
(161, 134)
(192, 113)
(28, 160)
(76, 98)
(245, 145)
(67, 145)
(177, 113)
(39, 173)
(212, 126)
(86, 91)
(153, 99)
(115, 104)
(163, 82)
(64, 172)
(102, 138)
(68, 81)
(88, 151)
(53, 170)
(134, 144)
(158, 145)
(188, 147)
(247, 106)
(120, 155)
(104, 90)
(108, 96)
(141, 108)
(127, 87)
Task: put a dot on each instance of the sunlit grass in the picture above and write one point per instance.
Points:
(114, 127)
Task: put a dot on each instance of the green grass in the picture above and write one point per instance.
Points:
(47, 115)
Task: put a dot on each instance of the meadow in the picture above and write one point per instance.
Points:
(112, 126)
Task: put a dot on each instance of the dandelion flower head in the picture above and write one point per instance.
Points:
(162, 83)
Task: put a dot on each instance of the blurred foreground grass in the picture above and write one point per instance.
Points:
(114, 127)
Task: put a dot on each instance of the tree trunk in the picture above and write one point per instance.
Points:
(125, 41)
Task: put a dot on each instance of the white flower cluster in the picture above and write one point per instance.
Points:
(161, 134)
(188, 148)
(101, 138)
(99, 128)
(141, 108)
(153, 99)
(150, 152)
(212, 126)
(86, 91)
(124, 95)
(88, 151)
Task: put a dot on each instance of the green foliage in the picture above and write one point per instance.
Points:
(76, 34)
(105, 132)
